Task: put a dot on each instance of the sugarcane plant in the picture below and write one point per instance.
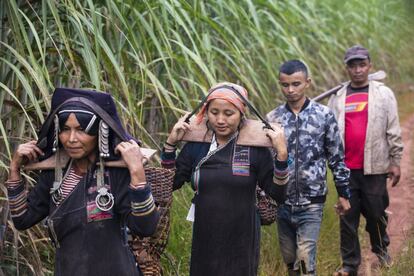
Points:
(157, 58)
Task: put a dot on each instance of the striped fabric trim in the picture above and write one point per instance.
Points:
(241, 169)
(142, 202)
(168, 159)
(168, 164)
(280, 181)
(13, 183)
(143, 208)
(75, 111)
(241, 161)
(17, 196)
(281, 177)
(135, 214)
(68, 184)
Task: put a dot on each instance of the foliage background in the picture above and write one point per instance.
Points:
(157, 58)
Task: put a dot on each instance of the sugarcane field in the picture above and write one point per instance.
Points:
(201, 138)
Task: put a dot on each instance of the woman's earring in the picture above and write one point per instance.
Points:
(103, 139)
(56, 134)
(55, 190)
(104, 199)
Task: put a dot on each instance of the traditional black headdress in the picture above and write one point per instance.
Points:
(100, 103)
(97, 111)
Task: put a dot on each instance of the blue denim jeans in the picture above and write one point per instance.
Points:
(298, 228)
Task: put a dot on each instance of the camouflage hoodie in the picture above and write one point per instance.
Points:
(313, 141)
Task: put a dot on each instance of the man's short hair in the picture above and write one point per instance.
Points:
(292, 66)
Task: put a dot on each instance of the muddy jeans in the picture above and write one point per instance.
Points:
(369, 197)
(298, 229)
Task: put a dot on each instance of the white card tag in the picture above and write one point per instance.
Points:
(190, 215)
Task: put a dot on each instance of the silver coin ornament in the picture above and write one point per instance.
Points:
(103, 139)
(56, 134)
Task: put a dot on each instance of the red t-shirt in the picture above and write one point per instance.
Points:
(356, 119)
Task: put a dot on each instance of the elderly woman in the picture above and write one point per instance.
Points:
(224, 176)
(88, 206)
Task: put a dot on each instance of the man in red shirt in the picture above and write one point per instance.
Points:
(368, 120)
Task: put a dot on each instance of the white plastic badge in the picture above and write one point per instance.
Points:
(190, 215)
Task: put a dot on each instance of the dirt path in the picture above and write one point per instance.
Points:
(401, 209)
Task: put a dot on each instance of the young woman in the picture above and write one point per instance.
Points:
(87, 206)
(224, 176)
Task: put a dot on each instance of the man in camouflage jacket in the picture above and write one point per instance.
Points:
(313, 141)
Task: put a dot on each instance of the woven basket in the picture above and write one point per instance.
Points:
(148, 250)
(267, 207)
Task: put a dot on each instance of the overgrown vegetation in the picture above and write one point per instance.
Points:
(157, 58)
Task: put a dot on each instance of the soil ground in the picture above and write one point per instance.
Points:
(401, 209)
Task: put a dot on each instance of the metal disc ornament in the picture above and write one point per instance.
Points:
(104, 200)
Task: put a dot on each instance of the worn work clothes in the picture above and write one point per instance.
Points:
(88, 241)
(313, 140)
(298, 228)
(383, 144)
(226, 226)
(369, 198)
(383, 147)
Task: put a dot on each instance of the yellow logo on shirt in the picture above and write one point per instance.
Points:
(355, 107)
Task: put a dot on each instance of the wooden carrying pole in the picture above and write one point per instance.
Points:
(251, 133)
(50, 163)
(379, 75)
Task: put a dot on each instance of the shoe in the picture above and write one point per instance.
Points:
(385, 259)
(345, 271)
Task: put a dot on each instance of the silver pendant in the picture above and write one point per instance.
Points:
(104, 200)
(56, 196)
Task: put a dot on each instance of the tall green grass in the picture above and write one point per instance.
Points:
(158, 58)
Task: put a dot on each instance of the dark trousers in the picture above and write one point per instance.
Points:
(369, 197)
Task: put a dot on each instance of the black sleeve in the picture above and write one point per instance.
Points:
(264, 165)
(35, 205)
(184, 166)
(136, 207)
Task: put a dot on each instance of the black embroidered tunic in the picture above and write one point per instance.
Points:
(226, 227)
(88, 241)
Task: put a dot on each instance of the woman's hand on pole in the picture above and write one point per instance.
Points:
(277, 136)
(131, 154)
(25, 153)
(178, 131)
